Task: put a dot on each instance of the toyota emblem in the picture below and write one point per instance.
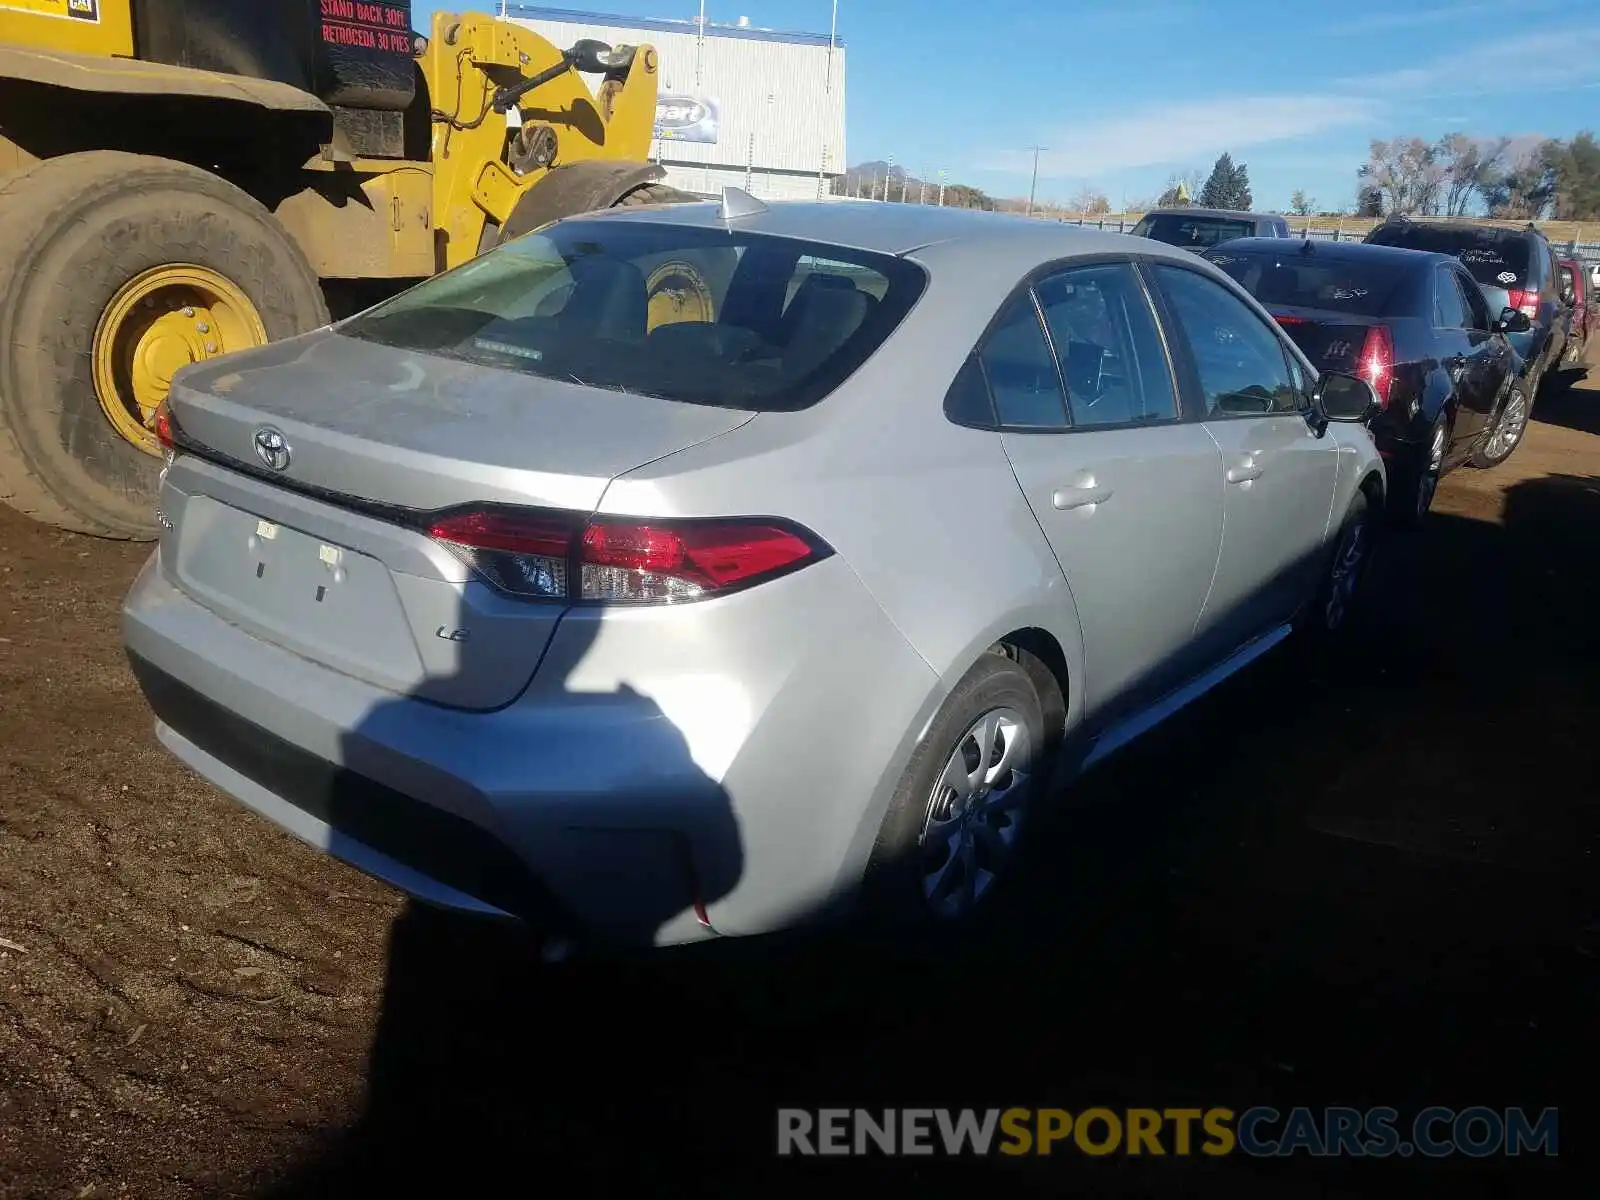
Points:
(272, 448)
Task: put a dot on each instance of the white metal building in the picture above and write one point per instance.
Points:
(754, 108)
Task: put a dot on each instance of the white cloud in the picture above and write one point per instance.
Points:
(1190, 131)
(1554, 60)
(1415, 18)
(1185, 132)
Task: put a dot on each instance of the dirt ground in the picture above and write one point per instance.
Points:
(1370, 881)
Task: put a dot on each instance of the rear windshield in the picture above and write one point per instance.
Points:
(705, 316)
(1191, 232)
(1489, 255)
(1302, 281)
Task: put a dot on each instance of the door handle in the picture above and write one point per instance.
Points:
(1080, 497)
(1244, 474)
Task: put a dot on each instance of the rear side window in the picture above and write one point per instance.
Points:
(702, 316)
(1192, 232)
(1490, 256)
(1021, 372)
(1449, 305)
(1106, 342)
(1472, 295)
(1292, 279)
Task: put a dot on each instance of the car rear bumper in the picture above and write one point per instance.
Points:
(589, 806)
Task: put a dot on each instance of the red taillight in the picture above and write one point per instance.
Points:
(515, 533)
(533, 555)
(162, 424)
(1524, 302)
(625, 561)
(524, 554)
(1377, 361)
(1284, 319)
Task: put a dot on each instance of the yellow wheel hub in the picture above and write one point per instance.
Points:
(677, 292)
(162, 320)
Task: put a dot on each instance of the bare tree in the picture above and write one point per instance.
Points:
(1462, 160)
(1087, 202)
(1524, 189)
(1406, 173)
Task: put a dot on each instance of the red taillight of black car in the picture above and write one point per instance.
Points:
(543, 556)
(1524, 302)
(1376, 361)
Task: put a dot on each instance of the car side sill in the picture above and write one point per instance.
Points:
(1140, 723)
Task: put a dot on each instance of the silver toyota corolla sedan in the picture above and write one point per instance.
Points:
(707, 569)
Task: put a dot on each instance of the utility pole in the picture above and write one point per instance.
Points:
(827, 87)
(833, 33)
(922, 189)
(699, 45)
(942, 174)
(905, 182)
(1034, 186)
(888, 179)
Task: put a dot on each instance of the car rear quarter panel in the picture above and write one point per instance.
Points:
(926, 514)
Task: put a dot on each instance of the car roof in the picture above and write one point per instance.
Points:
(1331, 251)
(1467, 228)
(928, 233)
(1191, 211)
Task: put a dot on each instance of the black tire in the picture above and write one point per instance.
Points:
(893, 888)
(73, 230)
(1318, 621)
(1487, 454)
(582, 187)
(1412, 485)
(655, 193)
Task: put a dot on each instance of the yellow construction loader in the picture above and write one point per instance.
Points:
(180, 179)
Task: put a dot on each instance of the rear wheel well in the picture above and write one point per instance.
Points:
(1372, 485)
(1037, 651)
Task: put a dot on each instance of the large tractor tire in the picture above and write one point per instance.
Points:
(588, 186)
(655, 193)
(115, 271)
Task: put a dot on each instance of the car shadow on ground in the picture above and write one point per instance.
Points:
(1562, 402)
(1357, 879)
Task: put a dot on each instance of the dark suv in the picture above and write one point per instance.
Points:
(1199, 229)
(1515, 268)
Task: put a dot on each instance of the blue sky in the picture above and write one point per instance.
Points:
(1123, 92)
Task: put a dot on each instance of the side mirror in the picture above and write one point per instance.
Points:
(1344, 398)
(1512, 320)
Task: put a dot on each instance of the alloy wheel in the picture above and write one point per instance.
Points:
(1509, 428)
(974, 813)
(1345, 578)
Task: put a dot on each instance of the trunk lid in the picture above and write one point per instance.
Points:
(1331, 340)
(329, 557)
(410, 429)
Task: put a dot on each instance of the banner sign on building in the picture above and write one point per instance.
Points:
(684, 118)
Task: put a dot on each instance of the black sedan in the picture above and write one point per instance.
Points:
(1418, 328)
